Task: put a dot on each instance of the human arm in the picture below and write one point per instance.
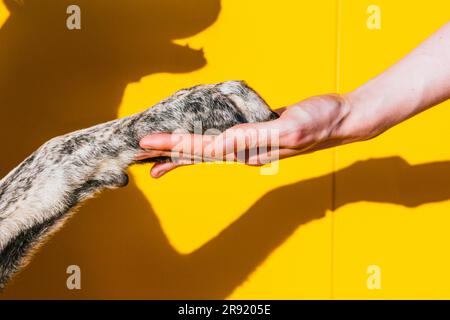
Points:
(417, 82)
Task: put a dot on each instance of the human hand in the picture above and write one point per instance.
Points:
(310, 125)
(417, 82)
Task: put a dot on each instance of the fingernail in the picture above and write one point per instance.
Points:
(154, 173)
(157, 173)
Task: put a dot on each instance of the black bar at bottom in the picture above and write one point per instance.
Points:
(219, 309)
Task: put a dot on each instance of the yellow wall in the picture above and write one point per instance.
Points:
(394, 208)
(226, 231)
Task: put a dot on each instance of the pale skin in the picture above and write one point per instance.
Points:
(417, 82)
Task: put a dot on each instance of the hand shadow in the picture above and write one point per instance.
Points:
(54, 81)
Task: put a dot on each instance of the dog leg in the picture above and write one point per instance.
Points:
(38, 195)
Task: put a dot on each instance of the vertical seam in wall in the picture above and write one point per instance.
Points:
(334, 161)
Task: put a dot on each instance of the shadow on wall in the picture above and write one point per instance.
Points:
(54, 81)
